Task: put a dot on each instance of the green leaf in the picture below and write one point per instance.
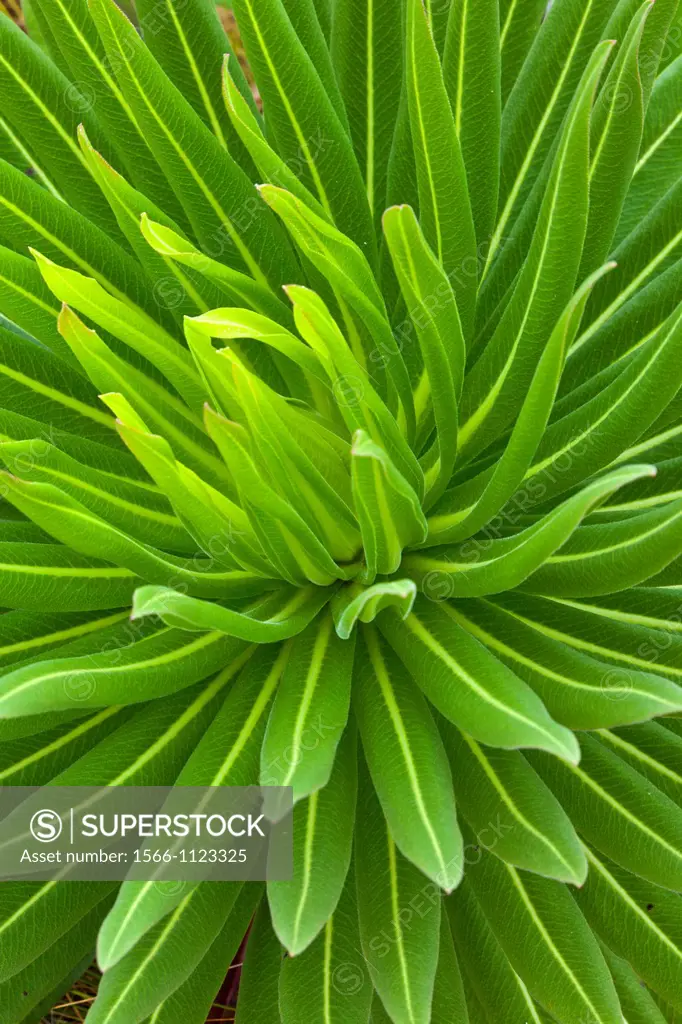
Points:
(574, 679)
(66, 518)
(488, 566)
(454, 519)
(35, 576)
(511, 810)
(469, 686)
(135, 508)
(192, 1001)
(652, 750)
(71, 954)
(219, 527)
(31, 217)
(407, 763)
(494, 387)
(323, 843)
(329, 981)
(34, 916)
(612, 556)
(495, 993)
(146, 669)
(354, 602)
(43, 106)
(310, 711)
(259, 981)
(519, 24)
(170, 245)
(324, 504)
(249, 128)
(472, 73)
(189, 43)
(635, 1000)
(542, 93)
(288, 540)
(449, 1001)
(277, 617)
(616, 133)
(619, 811)
(146, 396)
(303, 113)
(399, 918)
(441, 341)
(35, 382)
(211, 187)
(358, 402)
(28, 303)
(387, 508)
(78, 51)
(444, 206)
(36, 760)
(547, 940)
(227, 754)
(176, 293)
(640, 922)
(164, 958)
(229, 324)
(370, 86)
(656, 170)
(134, 327)
(348, 271)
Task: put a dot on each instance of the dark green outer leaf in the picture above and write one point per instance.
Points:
(657, 169)
(211, 187)
(329, 981)
(444, 207)
(494, 388)
(78, 50)
(45, 109)
(370, 87)
(192, 1001)
(640, 922)
(407, 763)
(189, 43)
(636, 1003)
(519, 24)
(302, 117)
(30, 987)
(471, 69)
(617, 124)
(542, 92)
(619, 811)
(503, 798)
(400, 949)
(30, 216)
(547, 940)
(469, 686)
(579, 687)
(161, 664)
(310, 711)
(323, 828)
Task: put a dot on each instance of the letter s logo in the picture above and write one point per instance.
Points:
(46, 826)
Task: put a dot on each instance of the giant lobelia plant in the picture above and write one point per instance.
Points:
(341, 447)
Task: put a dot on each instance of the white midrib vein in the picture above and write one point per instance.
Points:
(547, 938)
(395, 917)
(207, 695)
(535, 142)
(508, 802)
(537, 666)
(311, 680)
(416, 627)
(388, 695)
